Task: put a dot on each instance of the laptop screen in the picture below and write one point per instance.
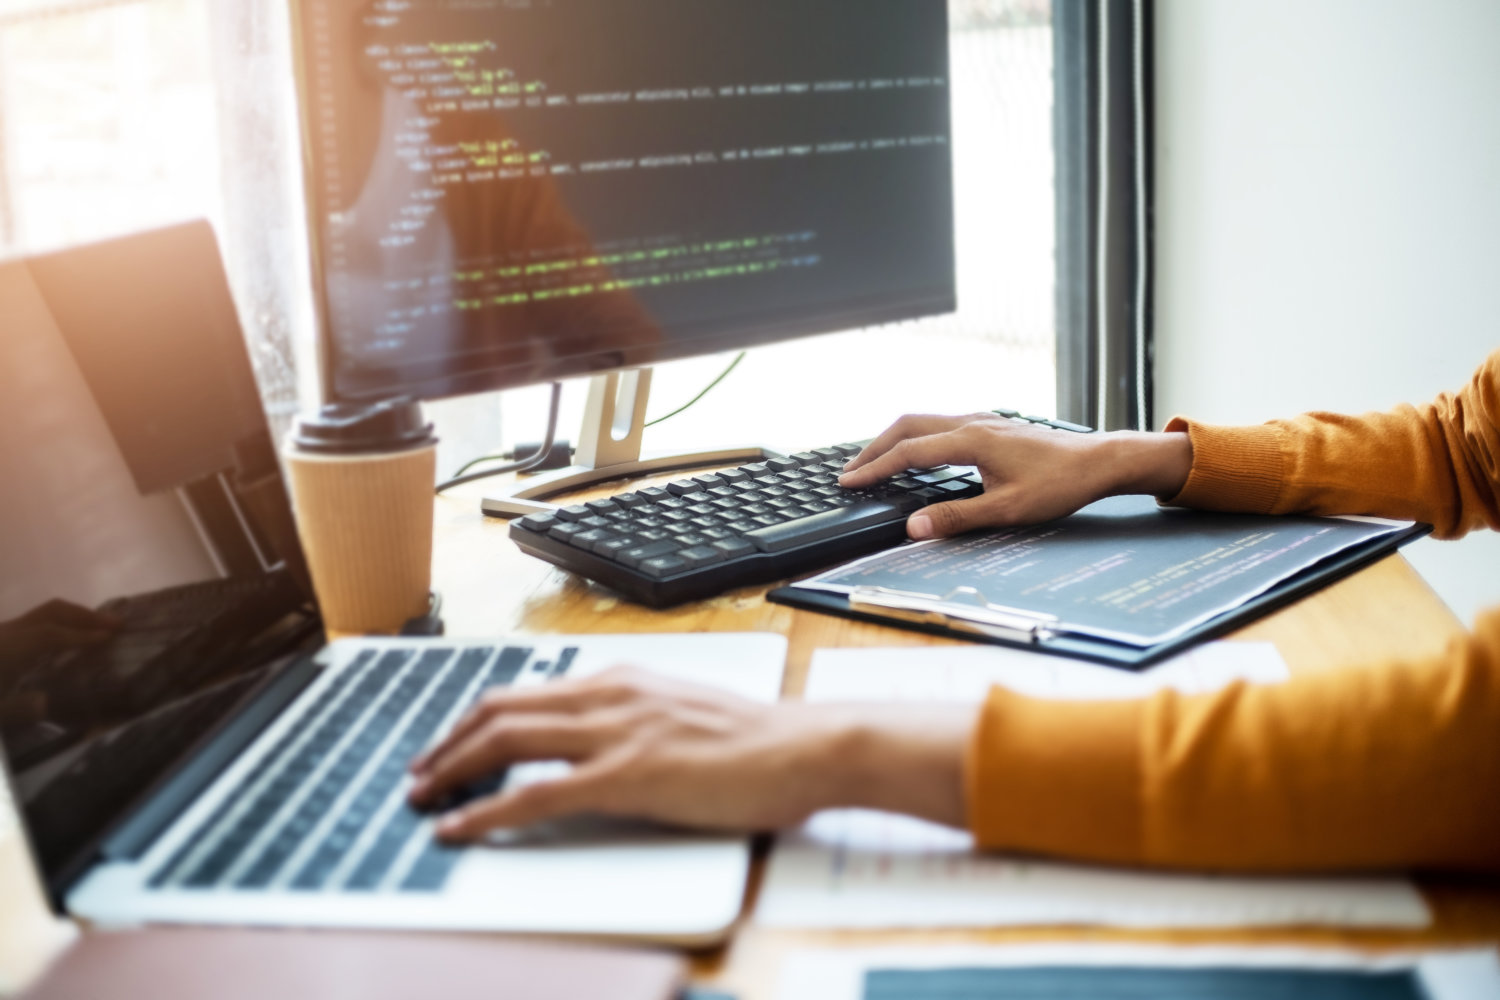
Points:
(150, 576)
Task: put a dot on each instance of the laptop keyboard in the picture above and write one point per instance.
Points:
(324, 809)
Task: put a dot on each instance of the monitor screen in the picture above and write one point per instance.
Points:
(511, 191)
(151, 572)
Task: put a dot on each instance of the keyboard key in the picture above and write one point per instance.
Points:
(701, 509)
(954, 486)
(596, 522)
(706, 521)
(766, 520)
(649, 522)
(682, 486)
(716, 534)
(540, 523)
(709, 480)
(577, 512)
(588, 539)
(743, 526)
(638, 555)
(829, 454)
(733, 548)
(654, 493)
(848, 450)
(632, 500)
(653, 535)
(805, 457)
(602, 506)
(935, 476)
(701, 555)
(565, 532)
(691, 538)
(735, 476)
(781, 464)
(803, 497)
(780, 503)
(671, 503)
(756, 508)
(756, 469)
(663, 566)
(611, 547)
(830, 524)
(775, 491)
(723, 492)
(768, 481)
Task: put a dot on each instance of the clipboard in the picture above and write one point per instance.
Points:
(965, 612)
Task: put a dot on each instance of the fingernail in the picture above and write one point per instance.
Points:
(848, 463)
(450, 826)
(419, 789)
(843, 476)
(919, 527)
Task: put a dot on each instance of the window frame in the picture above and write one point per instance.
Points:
(1103, 129)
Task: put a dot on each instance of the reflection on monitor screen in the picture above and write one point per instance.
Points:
(512, 191)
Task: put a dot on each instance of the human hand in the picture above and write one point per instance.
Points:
(1030, 473)
(648, 747)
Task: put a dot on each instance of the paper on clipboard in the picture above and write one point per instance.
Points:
(867, 869)
(1122, 569)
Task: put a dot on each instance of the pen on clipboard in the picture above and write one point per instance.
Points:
(963, 609)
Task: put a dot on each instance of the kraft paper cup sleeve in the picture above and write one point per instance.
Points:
(366, 526)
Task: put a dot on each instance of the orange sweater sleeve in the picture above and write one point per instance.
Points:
(1381, 766)
(1438, 463)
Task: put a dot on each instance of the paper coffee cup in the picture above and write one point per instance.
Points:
(361, 483)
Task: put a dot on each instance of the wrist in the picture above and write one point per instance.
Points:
(899, 758)
(1142, 462)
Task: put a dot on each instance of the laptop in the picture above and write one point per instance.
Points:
(181, 743)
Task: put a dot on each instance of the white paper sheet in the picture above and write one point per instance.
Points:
(1468, 974)
(858, 868)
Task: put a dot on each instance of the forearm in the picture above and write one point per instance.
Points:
(1394, 766)
(1434, 463)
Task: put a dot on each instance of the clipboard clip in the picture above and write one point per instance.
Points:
(963, 609)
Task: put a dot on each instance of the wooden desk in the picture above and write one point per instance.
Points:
(1386, 610)
(490, 588)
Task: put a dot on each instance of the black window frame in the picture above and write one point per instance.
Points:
(1103, 129)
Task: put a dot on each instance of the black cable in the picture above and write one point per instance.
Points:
(527, 464)
(722, 376)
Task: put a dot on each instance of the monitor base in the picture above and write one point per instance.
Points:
(609, 448)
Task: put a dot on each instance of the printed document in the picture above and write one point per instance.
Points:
(860, 868)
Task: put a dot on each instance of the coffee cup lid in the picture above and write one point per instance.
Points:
(347, 428)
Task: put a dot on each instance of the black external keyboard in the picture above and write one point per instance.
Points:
(705, 534)
(702, 535)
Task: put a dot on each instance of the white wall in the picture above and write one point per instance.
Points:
(1328, 229)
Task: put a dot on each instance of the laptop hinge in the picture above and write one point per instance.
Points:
(136, 835)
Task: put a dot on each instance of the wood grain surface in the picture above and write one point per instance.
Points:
(489, 588)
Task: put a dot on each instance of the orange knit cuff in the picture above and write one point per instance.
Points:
(1057, 777)
(1234, 468)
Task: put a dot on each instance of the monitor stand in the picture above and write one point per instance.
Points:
(609, 447)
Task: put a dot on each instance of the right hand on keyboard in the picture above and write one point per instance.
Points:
(1031, 473)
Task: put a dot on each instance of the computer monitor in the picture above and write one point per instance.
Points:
(507, 192)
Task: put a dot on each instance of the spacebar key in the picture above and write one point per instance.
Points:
(829, 524)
